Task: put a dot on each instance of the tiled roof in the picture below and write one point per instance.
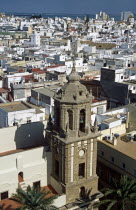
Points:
(3, 90)
(55, 66)
(9, 204)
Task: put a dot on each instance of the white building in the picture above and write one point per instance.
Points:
(17, 113)
(22, 167)
(27, 164)
(111, 74)
(98, 106)
(35, 39)
(16, 78)
(130, 73)
(90, 49)
(43, 97)
(125, 15)
(58, 68)
(111, 122)
(119, 75)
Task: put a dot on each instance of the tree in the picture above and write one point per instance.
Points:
(34, 199)
(122, 196)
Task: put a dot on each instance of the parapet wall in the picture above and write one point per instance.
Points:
(23, 136)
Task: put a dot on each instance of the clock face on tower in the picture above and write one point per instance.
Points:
(81, 153)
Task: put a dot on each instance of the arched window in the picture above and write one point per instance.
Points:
(20, 177)
(57, 117)
(82, 120)
(82, 192)
(70, 119)
(57, 168)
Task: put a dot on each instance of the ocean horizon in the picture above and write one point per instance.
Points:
(117, 17)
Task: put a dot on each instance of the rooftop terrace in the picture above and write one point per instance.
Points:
(14, 106)
(128, 148)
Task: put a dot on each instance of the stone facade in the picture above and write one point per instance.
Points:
(73, 141)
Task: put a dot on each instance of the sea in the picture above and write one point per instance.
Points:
(53, 15)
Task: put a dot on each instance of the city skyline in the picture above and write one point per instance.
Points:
(67, 7)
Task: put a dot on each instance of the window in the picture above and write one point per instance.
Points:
(100, 172)
(57, 168)
(104, 65)
(121, 77)
(135, 172)
(102, 153)
(80, 93)
(81, 172)
(41, 118)
(57, 120)
(15, 124)
(110, 178)
(100, 110)
(123, 165)
(20, 177)
(70, 119)
(37, 184)
(28, 119)
(82, 192)
(4, 195)
(112, 159)
(82, 121)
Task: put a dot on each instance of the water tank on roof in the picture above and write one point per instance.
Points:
(116, 135)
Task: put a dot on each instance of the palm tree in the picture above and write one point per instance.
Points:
(122, 196)
(34, 199)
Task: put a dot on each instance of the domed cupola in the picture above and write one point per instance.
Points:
(73, 92)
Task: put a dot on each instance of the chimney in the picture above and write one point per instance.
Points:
(114, 141)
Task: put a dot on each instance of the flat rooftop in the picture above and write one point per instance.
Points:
(48, 90)
(132, 68)
(14, 106)
(11, 152)
(37, 108)
(129, 82)
(126, 148)
(110, 120)
(44, 91)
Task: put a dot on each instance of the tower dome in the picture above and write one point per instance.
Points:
(73, 91)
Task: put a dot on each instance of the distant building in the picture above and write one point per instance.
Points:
(126, 15)
(102, 16)
(43, 97)
(115, 88)
(98, 106)
(35, 39)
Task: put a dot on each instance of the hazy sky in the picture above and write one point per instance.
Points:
(67, 6)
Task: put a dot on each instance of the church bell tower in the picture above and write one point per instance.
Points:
(73, 141)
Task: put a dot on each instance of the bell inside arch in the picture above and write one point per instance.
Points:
(82, 120)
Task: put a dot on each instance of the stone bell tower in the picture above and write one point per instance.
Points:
(73, 141)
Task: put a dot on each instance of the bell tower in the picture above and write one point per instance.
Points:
(73, 141)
